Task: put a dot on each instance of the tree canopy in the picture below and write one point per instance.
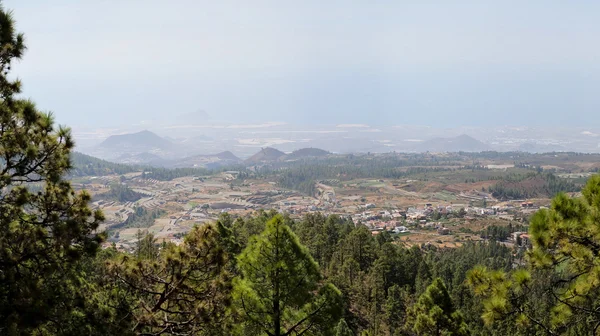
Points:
(43, 233)
(278, 289)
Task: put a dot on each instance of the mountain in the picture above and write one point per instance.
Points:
(460, 143)
(227, 155)
(143, 139)
(265, 155)
(305, 153)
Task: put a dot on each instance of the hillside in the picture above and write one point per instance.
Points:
(208, 161)
(86, 165)
(266, 155)
(227, 155)
(143, 139)
(306, 153)
(461, 143)
(142, 158)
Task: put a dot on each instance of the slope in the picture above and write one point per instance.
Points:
(266, 155)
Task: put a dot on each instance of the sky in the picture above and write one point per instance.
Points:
(439, 63)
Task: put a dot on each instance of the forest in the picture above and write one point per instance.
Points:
(268, 274)
(85, 165)
(531, 185)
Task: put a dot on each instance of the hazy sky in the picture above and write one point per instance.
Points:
(101, 63)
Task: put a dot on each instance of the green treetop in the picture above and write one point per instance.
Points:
(278, 292)
(563, 267)
(42, 233)
(434, 313)
(183, 290)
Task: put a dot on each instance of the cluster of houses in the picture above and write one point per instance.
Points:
(398, 220)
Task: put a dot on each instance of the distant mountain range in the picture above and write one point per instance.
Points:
(460, 143)
(148, 148)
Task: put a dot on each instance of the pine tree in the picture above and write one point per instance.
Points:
(278, 292)
(183, 291)
(395, 308)
(342, 329)
(146, 246)
(434, 313)
(566, 250)
(43, 233)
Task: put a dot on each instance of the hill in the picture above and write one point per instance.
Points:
(143, 139)
(461, 143)
(305, 153)
(86, 165)
(265, 155)
(227, 155)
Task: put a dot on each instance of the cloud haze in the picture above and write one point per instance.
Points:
(112, 62)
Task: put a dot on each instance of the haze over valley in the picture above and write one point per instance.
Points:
(178, 145)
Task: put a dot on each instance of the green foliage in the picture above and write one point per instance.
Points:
(85, 165)
(302, 175)
(146, 246)
(501, 233)
(342, 329)
(531, 185)
(435, 314)
(244, 228)
(46, 232)
(182, 291)
(322, 234)
(396, 304)
(278, 291)
(562, 266)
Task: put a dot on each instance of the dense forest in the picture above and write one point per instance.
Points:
(531, 185)
(268, 274)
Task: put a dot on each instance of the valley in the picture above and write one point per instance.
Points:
(443, 199)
